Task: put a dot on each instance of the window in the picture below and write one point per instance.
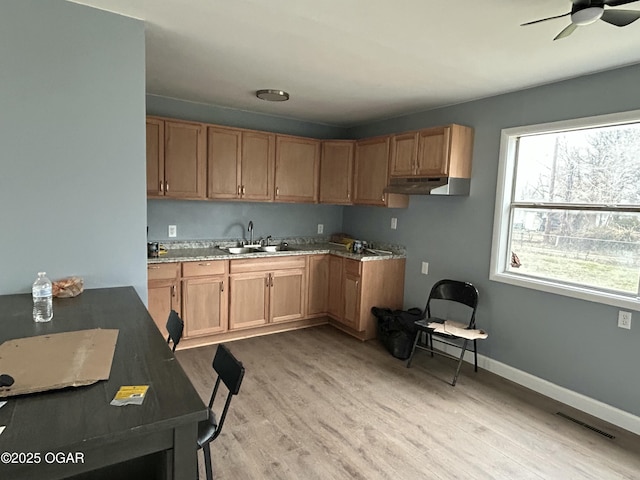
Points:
(567, 216)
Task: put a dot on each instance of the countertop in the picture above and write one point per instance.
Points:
(200, 251)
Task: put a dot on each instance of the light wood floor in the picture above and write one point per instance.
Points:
(318, 404)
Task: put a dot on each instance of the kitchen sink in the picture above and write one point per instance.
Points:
(238, 250)
(273, 248)
(256, 249)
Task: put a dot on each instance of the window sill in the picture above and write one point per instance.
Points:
(567, 290)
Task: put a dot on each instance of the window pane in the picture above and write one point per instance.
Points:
(598, 249)
(594, 166)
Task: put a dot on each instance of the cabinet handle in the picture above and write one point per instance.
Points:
(277, 191)
(173, 290)
(222, 286)
(242, 189)
(238, 190)
(266, 282)
(161, 186)
(383, 197)
(270, 280)
(153, 267)
(204, 264)
(166, 187)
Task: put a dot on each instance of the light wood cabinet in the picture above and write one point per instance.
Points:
(267, 291)
(318, 299)
(240, 164)
(297, 169)
(363, 285)
(336, 172)
(178, 167)
(433, 152)
(335, 307)
(155, 157)
(371, 174)
(163, 287)
(204, 297)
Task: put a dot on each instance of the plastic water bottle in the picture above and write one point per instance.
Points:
(42, 299)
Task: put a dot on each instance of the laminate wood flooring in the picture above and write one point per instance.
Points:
(319, 404)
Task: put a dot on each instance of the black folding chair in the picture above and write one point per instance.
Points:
(175, 326)
(231, 372)
(457, 292)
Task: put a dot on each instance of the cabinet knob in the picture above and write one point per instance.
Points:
(166, 187)
(242, 189)
(222, 286)
(238, 190)
(161, 186)
(277, 191)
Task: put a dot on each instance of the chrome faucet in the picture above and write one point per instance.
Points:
(250, 229)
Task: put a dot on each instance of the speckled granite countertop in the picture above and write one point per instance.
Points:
(214, 250)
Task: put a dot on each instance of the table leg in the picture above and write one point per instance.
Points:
(184, 452)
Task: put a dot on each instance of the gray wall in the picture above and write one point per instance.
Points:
(569, 342)
(72, 168)
(201, 220)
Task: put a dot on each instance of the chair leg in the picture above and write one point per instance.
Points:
(207, 462)
(464, 349)
(475, 354)
(413, 349)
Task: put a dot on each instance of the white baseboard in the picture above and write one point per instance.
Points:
(576, 400)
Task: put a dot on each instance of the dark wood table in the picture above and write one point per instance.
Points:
(154, 440)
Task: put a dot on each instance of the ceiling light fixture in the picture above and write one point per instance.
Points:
(272, 95)
(587, 16)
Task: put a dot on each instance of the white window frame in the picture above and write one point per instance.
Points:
(506, 178)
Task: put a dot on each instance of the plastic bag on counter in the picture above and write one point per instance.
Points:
(68, 287)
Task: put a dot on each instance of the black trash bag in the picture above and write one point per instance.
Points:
(397, 330)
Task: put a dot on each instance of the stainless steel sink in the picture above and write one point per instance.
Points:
(238, 250)
(273, 248)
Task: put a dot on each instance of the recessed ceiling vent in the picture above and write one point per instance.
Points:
(271, 95)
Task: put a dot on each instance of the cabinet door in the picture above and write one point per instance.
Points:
(371, 171)
(335, 287)
(433, 152)
(336, 172)
(351, 300)
(404, 152)
(204, 306)
(163, 296)
(248, 300)
(297, 167)
(257, 166)
(155, 157)
(184, 160)
(288, 293)
(318, 285)
(223, 161)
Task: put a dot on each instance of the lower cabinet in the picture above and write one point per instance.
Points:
(204, 297)
(229, 299)
(163, 292)
(264, 291)
(355, 287)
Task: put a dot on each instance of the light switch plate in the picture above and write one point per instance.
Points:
(172, 231)
(394, 223)
(425, 268)
(320, 228)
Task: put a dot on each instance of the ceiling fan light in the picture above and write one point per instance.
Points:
(272, 95)
(587, 15)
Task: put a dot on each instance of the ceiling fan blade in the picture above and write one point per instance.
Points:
(620, 18)
(617, 3)
(567, 31)
(545, 19)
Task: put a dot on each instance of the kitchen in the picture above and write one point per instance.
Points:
(87, 167)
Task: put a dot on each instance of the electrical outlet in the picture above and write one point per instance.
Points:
(394, 223)
(624, 319)
(173, 231)
(320, 228)
(425, 268)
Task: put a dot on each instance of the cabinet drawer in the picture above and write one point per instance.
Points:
(352, 267)
(204, 268)
(162, 271)
(267, 264)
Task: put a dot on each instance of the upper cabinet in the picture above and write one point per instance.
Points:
(175, 159)
(297, 169)
(240, 164)
(372, 173)
(336, 172)
(433, 152)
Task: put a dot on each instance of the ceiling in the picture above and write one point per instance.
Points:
(349, 62)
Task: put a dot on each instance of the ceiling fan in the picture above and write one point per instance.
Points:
(586, 12)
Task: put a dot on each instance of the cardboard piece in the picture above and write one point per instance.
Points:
(50, 362)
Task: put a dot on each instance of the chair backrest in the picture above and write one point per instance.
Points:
(175, 326)
(231, 372)
(455, 291)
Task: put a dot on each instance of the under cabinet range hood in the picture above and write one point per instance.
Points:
(429, 186)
